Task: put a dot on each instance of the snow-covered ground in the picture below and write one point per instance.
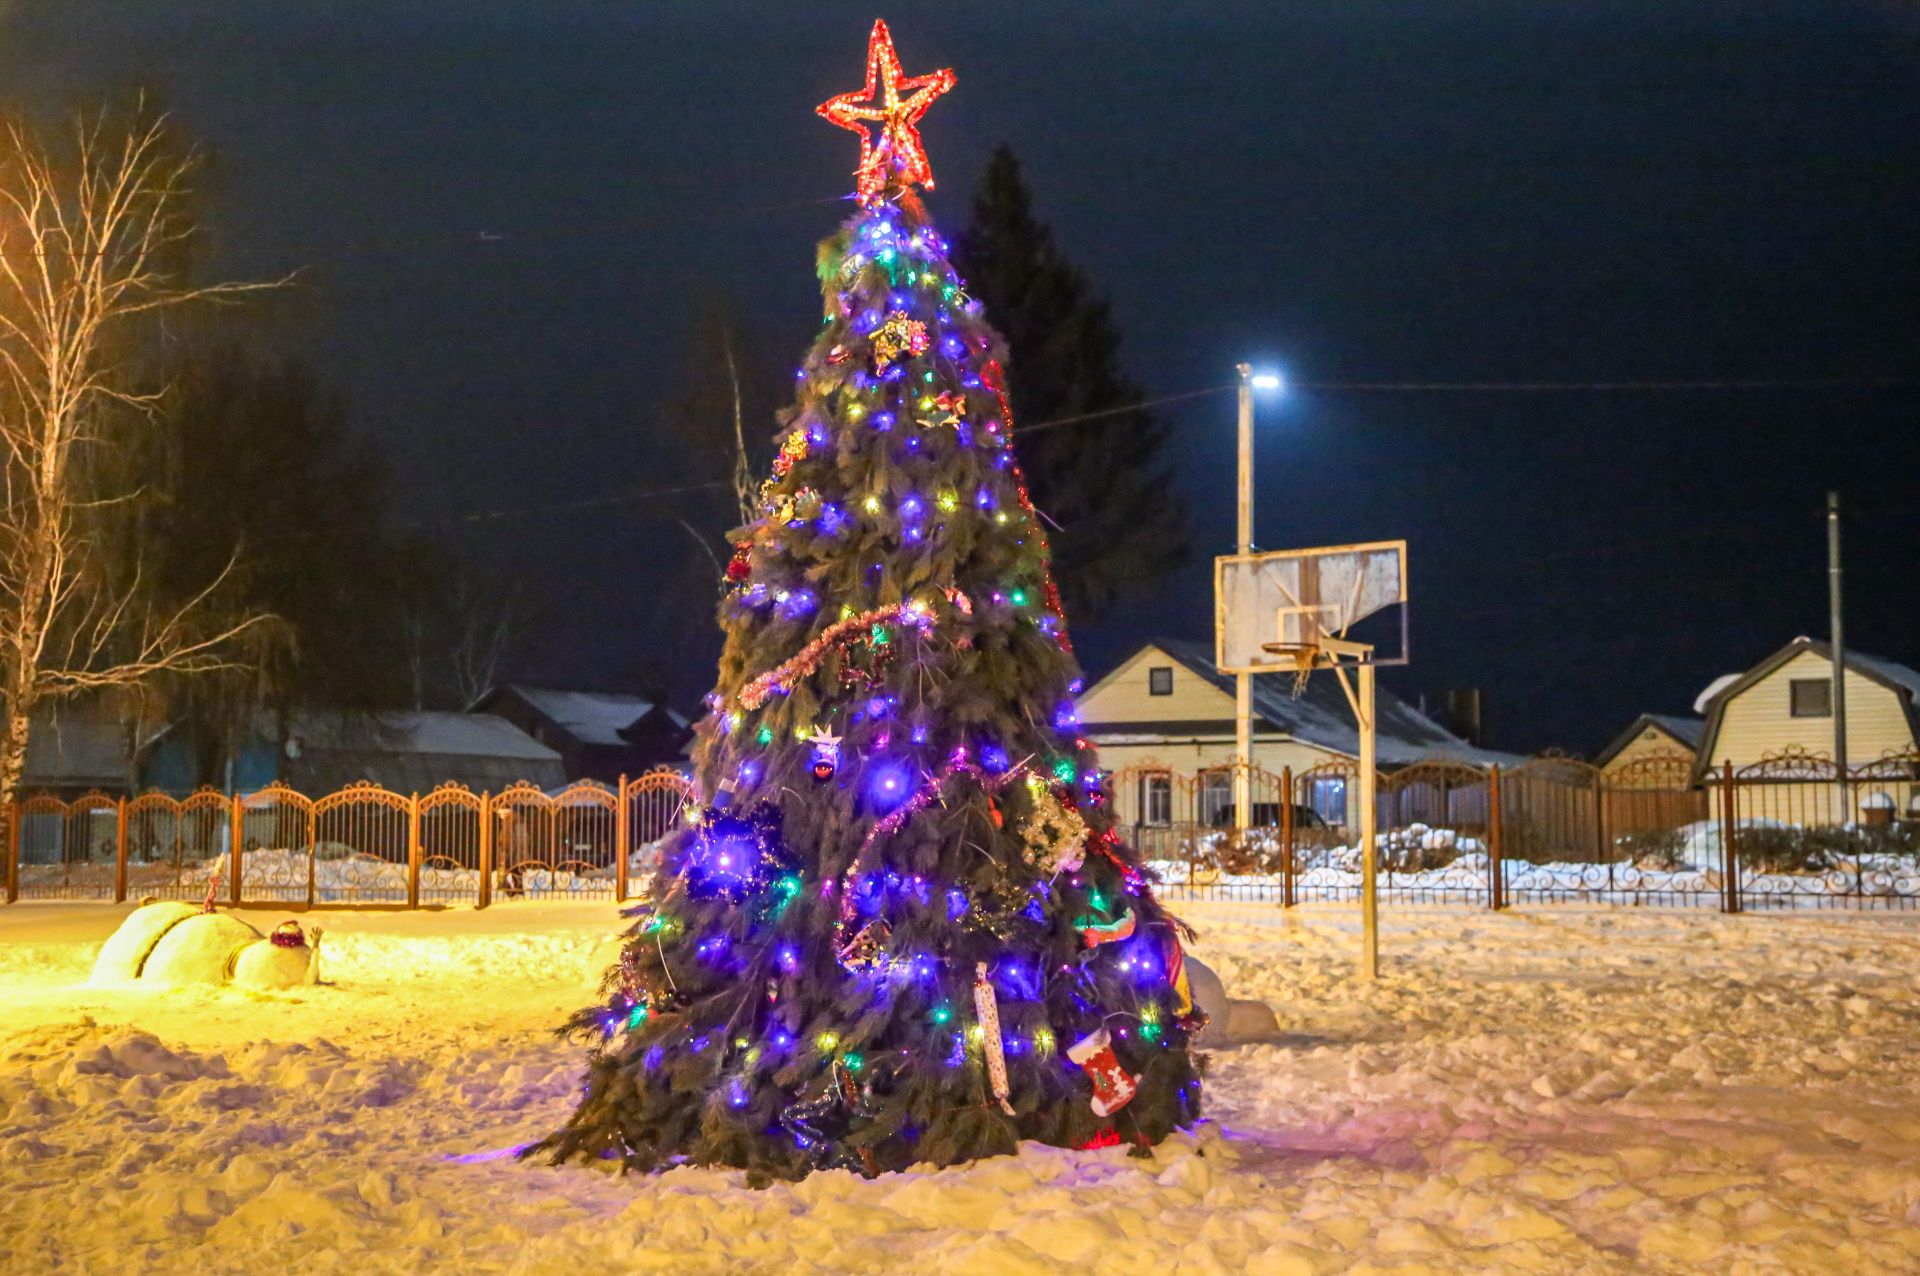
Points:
(1546, 1090)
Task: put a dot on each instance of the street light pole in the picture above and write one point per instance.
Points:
(1243, 682)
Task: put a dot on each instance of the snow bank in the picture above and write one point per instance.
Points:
(1540, 1091)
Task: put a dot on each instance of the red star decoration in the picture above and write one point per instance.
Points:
(899, 144)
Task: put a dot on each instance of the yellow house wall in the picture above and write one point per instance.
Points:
(1123, 696)
(1760, 720)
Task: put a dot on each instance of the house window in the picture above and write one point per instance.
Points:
(1812, 697)
(1326, 796)
(1156, 800)
(1160, 681)
(1216, 798)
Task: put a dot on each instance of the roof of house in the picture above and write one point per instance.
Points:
(1681, 727)
(1320, 714)
(591, 717)
(415, 751)
(1896, 677)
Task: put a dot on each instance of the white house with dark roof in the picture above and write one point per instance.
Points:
(1166, 711)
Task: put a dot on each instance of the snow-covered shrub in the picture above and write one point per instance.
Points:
(1662, 849)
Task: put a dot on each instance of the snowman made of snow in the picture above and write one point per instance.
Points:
(174, 943)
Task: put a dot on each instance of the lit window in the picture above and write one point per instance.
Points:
(1160, 681)
(1156, 800)
(1812, 697)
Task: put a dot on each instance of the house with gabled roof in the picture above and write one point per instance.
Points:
(1668, 739)
(599, 735)
(1774, 724)
(1164, 717)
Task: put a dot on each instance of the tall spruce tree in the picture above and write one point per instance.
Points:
(901, 927)
(1100, 477)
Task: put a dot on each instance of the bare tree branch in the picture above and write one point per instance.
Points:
(91, 239)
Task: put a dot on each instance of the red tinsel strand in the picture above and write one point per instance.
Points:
(782, 676)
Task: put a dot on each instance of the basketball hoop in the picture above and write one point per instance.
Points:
(1301, 657)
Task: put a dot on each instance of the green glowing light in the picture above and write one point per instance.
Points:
(765, 736)
(1018, 597)
(1063, 770)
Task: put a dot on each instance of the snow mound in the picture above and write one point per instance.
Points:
(127, 949)
(199, 950)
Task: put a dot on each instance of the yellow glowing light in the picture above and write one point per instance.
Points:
(827, 1040)
(949, 502)
(871, 505)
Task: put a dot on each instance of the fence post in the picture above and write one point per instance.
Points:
(13, 851)
(413, 851)
(1286, 836)
(313, 854)
(486, 851)
(1496, 871)
(236, 828)
(1729, 859)
(120, 852)
(621, 829)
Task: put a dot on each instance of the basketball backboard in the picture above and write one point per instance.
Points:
(1274, 610)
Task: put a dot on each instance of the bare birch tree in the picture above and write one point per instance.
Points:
(93, 240)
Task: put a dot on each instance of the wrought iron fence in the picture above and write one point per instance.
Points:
(1787, 832)
(361, 845)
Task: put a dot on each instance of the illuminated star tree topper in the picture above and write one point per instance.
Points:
(898, 148)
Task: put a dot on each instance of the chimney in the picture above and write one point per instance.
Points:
(1460, 713)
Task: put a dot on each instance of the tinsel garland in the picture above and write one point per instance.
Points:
(782, 676)
(891, 823)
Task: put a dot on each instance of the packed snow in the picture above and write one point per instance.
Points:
(1544, 1090)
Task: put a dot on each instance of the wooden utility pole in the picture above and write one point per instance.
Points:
(1838, 641)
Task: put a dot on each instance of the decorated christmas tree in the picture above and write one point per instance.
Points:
(901, 928)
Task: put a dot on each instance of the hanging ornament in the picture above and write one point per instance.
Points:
(863, 952)
(943, 409)
(899, 335)
(1113, 1086)
(839, 355)
(1053, 832)
(826, 753)
(740, 566)
(1094, 934)
(987, 1006)
(1189, 1016)
(793, 448)
(961, 603)
(732, 855)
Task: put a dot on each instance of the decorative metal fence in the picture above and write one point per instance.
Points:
(1787, 832)
(362, 845)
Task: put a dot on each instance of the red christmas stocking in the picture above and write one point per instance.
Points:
(1113, 1086)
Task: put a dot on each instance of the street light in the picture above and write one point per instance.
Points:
(1243, 682)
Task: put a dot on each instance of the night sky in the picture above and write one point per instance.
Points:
(1353, 190)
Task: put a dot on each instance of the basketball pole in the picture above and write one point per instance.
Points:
(1369, 823)
(1362, 703)
(1243, 681)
